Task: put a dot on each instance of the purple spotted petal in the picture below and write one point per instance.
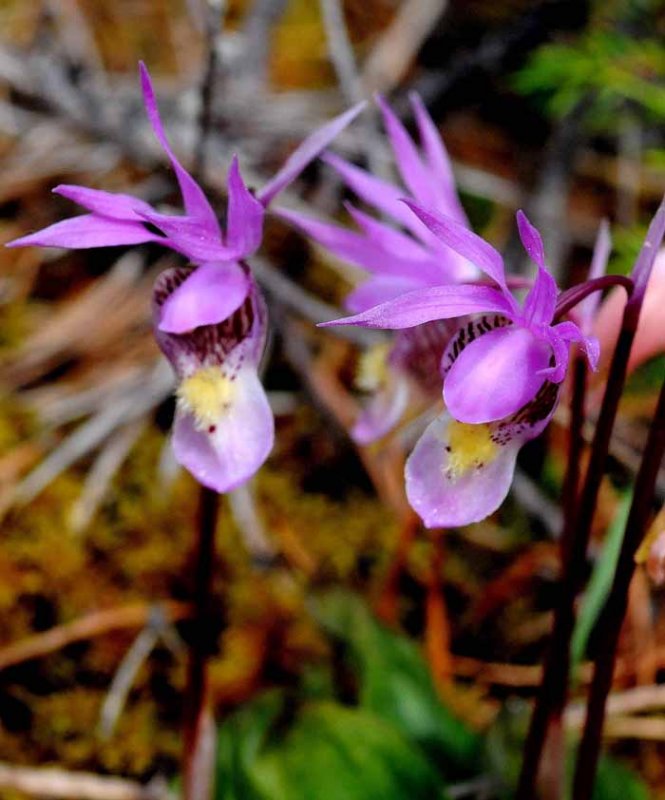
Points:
(89, 230)
(210, 294)
(377, 290)
(442, 497)
(196, 203)
(306, 152)
(459, 474)
(238, 339)
(241, 440)
(410, 165)
(442, 178)
(465, 242)
(425, 305)
(495, 375)
(244, 225)
(106, 204)
(383, 411)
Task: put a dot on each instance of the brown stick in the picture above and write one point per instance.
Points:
(95, 624)
(58, 783)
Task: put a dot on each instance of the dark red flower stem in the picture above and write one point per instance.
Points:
(552, 777)
(200, 647)
(571, 482)
(553, 690)
(569, 298)
(614, 611)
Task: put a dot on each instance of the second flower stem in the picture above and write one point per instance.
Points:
(553, 690)
(614, 611)
(196, 781)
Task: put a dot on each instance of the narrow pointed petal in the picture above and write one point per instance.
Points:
(645, 260)
(245, 215)
(306, 152)
(196, 203)
(531, 239)
(465, 242)
(377, 290)
(601, 254)
(390, 238)
(86, 231)
(209, 295)
(106, 204)
(561, 351)
(447, 495)
(407, 158)
(409, 257)
(382, 413)
(439, 162)
(496, 375)
(189, 237)
(228, 455)
(384, 196)
(350, 246)
(570, 332)
(540, 302)
(425, 305)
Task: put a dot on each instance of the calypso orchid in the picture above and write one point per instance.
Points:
(210, 319)
(501, 374)
(400, 256)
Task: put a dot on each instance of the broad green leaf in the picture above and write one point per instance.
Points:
(614, 781)
(600, 582)
(240, 740)
(339, 753)
(326, 752)
(395, 683)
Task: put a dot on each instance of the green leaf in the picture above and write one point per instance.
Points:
(610, 71)
(327, 752)
(599, 583)
(240, 740)
(616, 782)
(395, 683)
(338, 753)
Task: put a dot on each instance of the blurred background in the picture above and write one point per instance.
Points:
(355, 655)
